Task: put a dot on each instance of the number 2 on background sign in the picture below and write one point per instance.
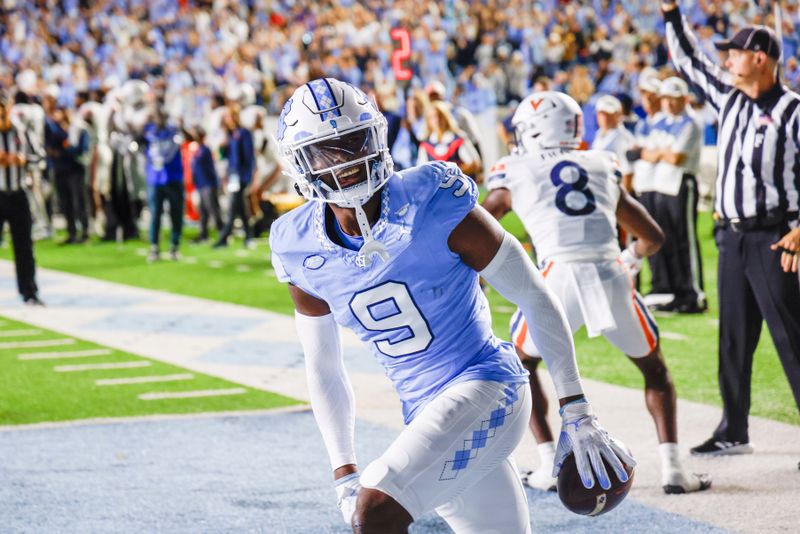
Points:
(401, 54)
(390, 308)
(579, 187)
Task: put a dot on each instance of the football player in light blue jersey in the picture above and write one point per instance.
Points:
(395, 257)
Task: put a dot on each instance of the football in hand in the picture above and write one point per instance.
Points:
(593, 501)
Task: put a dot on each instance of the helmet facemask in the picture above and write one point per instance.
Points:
(346, 168)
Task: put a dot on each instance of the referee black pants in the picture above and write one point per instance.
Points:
(677, 267)
(752, 288)
(14, 208)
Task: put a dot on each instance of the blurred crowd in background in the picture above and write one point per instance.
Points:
(204, 76)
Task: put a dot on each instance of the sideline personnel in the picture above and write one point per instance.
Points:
(677, 162)
(14, 206)
(757, 231)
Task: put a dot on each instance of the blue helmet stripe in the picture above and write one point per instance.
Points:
(330, 92)
(323, 98)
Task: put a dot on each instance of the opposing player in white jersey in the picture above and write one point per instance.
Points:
(570, 202)
(395, 257)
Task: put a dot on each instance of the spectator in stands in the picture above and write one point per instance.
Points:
(164, 169)
(416, 110)
(241, 165)
(612, 135)
(465, 119)
(447, 142)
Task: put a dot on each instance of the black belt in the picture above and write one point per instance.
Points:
(772, 219)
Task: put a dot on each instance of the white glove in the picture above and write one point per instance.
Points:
(347, 489)
(631, 260)
(582, 435)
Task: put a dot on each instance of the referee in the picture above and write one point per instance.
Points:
(757, 233)
(14, 206)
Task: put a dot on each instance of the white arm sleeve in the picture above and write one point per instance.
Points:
(329, 387)
(512, 273)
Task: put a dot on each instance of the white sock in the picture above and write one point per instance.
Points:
(670, 458)
(547, 454)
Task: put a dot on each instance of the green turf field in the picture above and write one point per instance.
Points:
(36, 388)
(245, 277)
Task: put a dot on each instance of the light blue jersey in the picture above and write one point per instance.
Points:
(422, 313)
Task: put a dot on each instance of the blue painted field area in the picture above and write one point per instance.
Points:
(255, 473)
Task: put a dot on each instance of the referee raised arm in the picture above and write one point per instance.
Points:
(757, 188)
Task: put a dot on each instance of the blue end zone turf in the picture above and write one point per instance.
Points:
(260, 473)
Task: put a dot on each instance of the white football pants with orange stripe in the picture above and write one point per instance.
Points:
(600, 296)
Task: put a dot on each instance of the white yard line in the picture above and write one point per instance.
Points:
(20, 333)
(192, 394)
(143, 379)
(40, 343)
(674, 336)
(100, 366)
(65, 354)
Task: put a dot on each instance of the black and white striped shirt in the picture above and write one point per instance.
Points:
(12, 177)
(758, 161)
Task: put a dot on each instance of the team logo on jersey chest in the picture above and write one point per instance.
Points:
(313, 262)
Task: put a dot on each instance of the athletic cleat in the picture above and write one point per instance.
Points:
(715, 447)
(154, 255)
(539, 479)
(678, 483)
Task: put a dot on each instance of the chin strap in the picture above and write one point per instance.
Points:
(370, 247)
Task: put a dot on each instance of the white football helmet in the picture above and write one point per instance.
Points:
(134, 109)
(325, 131)
(546, 120)
(27, 82)
(247, 96)
(134, 93)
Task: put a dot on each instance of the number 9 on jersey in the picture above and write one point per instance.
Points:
(390, 308)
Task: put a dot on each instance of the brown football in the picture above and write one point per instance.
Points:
(593, 501)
